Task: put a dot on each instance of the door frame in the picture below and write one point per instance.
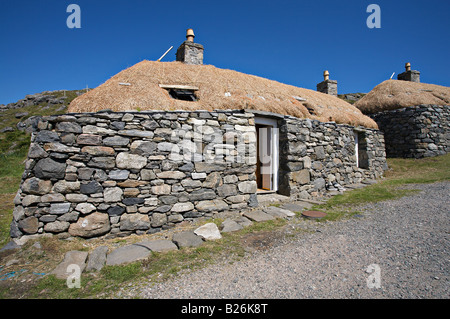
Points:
(274, 148)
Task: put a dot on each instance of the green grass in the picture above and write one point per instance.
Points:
(401, 172)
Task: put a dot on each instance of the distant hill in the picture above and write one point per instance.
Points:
(351, 97)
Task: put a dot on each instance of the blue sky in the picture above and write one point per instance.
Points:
(292, 42)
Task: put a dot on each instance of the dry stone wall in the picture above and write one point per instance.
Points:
(317, 156)
(115, 174)
(416, 131)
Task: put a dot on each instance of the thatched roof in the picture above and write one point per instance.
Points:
(396, 94)
(138, 88)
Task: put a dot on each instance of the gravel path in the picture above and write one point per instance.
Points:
(408, 239)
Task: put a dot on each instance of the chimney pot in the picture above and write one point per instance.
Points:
(190, 35)
(326, 75)
(408, 66)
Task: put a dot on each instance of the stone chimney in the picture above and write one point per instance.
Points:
(409, 75)
(327, 86)
(190, 52)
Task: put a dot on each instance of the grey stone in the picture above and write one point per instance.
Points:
(227, 190)
(134, 222)
(258, 216)
(137, 133)
(278, 212)
(144, 148)
(202, 194)
(187, 239)
(69, 217)
(159, 245)
(36, 151)
(116, 211)
(171, 175)
(53, 198)
(85, 208)
(56, 226)
(65, 187)
(59, 208)
(47, 137)
(319, 183)
(130, 201)
(30, 200)
(92, 187)
(76, 198)
(247, 187)
(229, 225)
(68, 127)
(36, 186)
(112, 194)
(182, 207)
(159, 219)
(127, 254)
(47, 169)
(209, 231)
(71, 258)
(105, 162)
(116, 141)
(211, 205)
(97, 258)
(119, 174)
(89, 139)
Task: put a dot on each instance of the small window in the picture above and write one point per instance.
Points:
(181, 92)
(184, 95)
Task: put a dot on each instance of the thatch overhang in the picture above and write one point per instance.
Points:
(147, 86)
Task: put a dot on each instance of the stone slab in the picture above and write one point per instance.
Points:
(159, 245)
(279, 212)
(209, 231)
(97, 258)
(229, 225)
(258, 216)
(127, 254)
(187, 239)
(72, 257)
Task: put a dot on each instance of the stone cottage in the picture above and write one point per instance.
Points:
(414, 116)
(164, 142)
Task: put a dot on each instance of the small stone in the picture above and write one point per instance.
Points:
(92, 187)
(131, 161)
(208, 231)
(47, 169)
(119, 174)
(59, 208)
(159, 219)
(85, 208)
(89, 139)
(182, 207)
(113, 194)
(212, 205)
(56, 226)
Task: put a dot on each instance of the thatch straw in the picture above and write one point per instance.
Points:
(218, 89)
(396, 94)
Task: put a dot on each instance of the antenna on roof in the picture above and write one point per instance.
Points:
(391, 76)
(162, 56)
